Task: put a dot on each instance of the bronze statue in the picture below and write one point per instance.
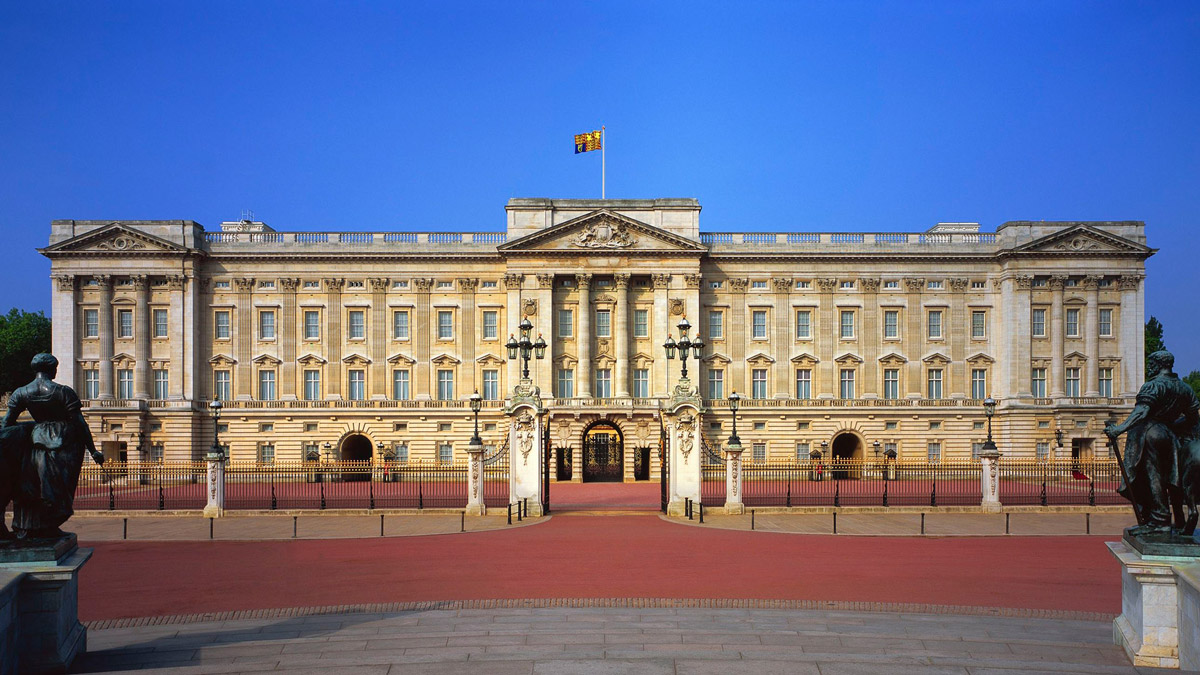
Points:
(1161, 463)
(40, 460)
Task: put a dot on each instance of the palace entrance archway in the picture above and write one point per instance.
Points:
(355, 448)
(603, 453)
(847, 453)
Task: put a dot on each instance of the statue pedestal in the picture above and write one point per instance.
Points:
(39, 605)
(1159, 625)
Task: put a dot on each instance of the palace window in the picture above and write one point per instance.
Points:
(445, 325)
(358, 325)
(566, 383)
(935, 383)
(487, 284)
(804, 383)
(978, 383)
(1043, 451)
(400, 325)
(802, 450)
(890, 450)
(160, 383)
(846, 382)
(803, 324)
(716, 325)
(641, 323)
(891, 383)
(491, 320)
(934, 285)
(758, 383)
(715, 284)
(891, 284)
(891, 323)
(317, 284)
(266, 453)
(125, 383)
(266, 385)
(400, 390)
(312, 385)
(266, 325)
(759, 452)
(1073, 382)
(801, 285)
(758, 285)
(978, 324)
(934, 452)
(491, 385)
(847, 285)
(935, 324)
(566, 321)
(1106, 323)
(1038, 383)
(222, 386)
(603, 383)
(400, 450)
(760, 324)
(1039, 323)
(603, 323)
(91, 323)
(156, 453)
(221, 323)
(1073, 322)
(1106, 381)
(125, 323)
(847, 318)
(445, 284)
(716, 383)
(889, 425)
(641, 382)
(312, 452)
(312, 325)
(978, 285)
(91, 384)
(160, 323)
(445, 453)
(445, 384)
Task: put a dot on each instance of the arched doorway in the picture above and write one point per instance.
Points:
(355, 448)
(847, 452)
(603, 453)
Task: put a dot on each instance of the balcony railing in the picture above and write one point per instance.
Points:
(343, 239)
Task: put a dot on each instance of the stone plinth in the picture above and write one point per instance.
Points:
(1189, 616)
(1158, 603)
(42, 597)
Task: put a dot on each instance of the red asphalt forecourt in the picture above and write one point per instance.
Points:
(637, 556)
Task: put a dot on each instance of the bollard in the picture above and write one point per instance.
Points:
(125, 528)
(701, 513)
(1006, 522)
(1087, 519)
(510, 514)
(751, 519)
(922, 523)
(293, 527)
(520, 512)
(835, 522)
(462, 524)
(210, 528)
(381, 524)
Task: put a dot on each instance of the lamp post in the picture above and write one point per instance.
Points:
(215, 451)
(328, 447)
(989, 409)
(696, 346)
(524, 347)
(476, 406)
(734, 399)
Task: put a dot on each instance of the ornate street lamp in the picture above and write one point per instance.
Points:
(524, 348)
(328, 451)
(989, 409)
(734, 399)
(476, 406)
(215, 451)
(685, 344)
(1058, 435)
(875, 446)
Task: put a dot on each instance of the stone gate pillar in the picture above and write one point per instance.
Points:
(475, 505)
(526, 440)
(681, 418)
(733, 480)
(989, 461)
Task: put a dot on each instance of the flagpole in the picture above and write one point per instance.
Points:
(603, 144)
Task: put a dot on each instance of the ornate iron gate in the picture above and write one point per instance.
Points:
(662, 463)
(546, 466)
(603, 456)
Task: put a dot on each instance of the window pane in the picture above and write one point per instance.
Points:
(1106, 322)
(266, 385)
(565, 324)
(641, 383)
(803, 324)
(266, 325)
(160, 383)
(400, 385)
(977, 324)
(847, 324)
(641, 323)
(716, 326)
(358, 385)
(445, 385)
(1039, 323)
(400, 325)
(312, 385)
(891, 383)
(125, 323)
(490, 325)
(603, 383)
(891, 324)
(804, 383)
(603, 323)
(445, 325)
(760, 324)
(91, 323)
(716, 383)
(160, 323)
(566, 383)
(847, 383)
(491, 385)
(222, 325)
(358, 327)
(978, 383)
(221, 385)
(758, 383)
(935, 324)
(935, 383)
(312, 325)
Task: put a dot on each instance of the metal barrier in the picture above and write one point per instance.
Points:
(146, 486)
(861, 483)
(1079, 482)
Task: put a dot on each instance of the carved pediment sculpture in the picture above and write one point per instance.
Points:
(523, 432)
(604, 233)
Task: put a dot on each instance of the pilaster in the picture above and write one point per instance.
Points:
(1090, 324)
(141, 335)
(780, 336)
(105, 283)
(1133, 341)
(735, 327)
(958, 334)
(468, 335)
(870, 335)
(1056, 336)
(661, 329)
(544, 326)
(423, 327)
(825, 338)
(289, 332)
(335, 338)
(914, 342)
(65, 336)
(583, 373)
(183, 330)
(621, 336)
(243, 335)
(512, 285)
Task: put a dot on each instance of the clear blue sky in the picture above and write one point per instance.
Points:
(868, 116)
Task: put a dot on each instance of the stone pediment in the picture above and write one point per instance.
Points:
(311, 360)
(489, 360)
(445, 360)
(115, 239)
(1083, 240)
(716, 358)
(602, 231)
(266, 360)
(937, 358)
(848, 359)
(805, 359)
(222, 360)
(395, 359)
(355, 360)
(893, 359)
(980, 358)
(760, 359)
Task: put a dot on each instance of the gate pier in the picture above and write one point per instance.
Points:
(681, 421)
(526, 443)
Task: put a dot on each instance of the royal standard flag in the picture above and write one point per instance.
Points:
(588, 141)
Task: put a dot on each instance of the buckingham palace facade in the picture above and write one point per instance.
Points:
(358, 344)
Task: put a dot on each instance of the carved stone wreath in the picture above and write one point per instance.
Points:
(605, 233)
(524, 435)
(677, 306)
(121, 243)
(529, 308)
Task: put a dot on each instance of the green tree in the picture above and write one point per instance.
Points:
(1193, 380)
(1154, 340)
(22, 334)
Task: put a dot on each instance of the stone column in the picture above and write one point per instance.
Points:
(512, 284)
(958, 335)
(1132, 338)
(380, 382)
(914, 341)
(621, 387)
(475, 505)
(1056, 337)
(141, 337)
(104, 282)
(184, 334)
(735, 328)
(243, 333)
(989, 477)
(289, 333)
(780, 337)
(584, 338)
(661, 328)
(1091, 335)
(544, 326)
(64, 337)
(682, 417)
(825, 337)
(525, 443)
(467, 336)
(733, 480)
(423, 387)
(870, 336)
(335, 338)
(1016, 315)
